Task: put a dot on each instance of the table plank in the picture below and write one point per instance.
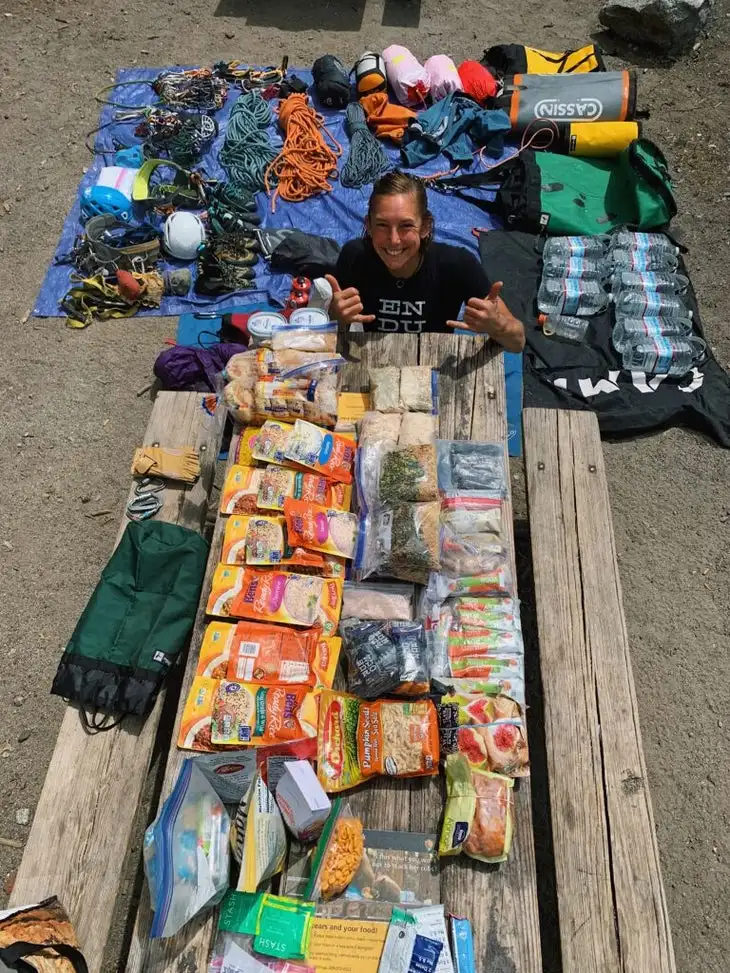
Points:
(78, 842)
(611, 902)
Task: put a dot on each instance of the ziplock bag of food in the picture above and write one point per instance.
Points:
(296, 398)
(412, 653)
(479, 813)
(372, 655)
(245, 713)
(464, 555)
(466, 466)
(378, 601)
(242, 367)
(186, 852)
(500, 746)
(240, 490)
(407, 541)
(467, 644)
(408, 476)
(316, 337)
(472, 515)
(337, 855)
(318, 449)
(286, 360)
(496, 583)
(272, 442)
(240, 400)
(480, 613)
(418, 429)
(385, 389)
(357, 739)
(324, 529)
(379, 427)
(506, 678)
(476, 709)
(272, 654)
(277, 483)
(258, 837)
(419, 389)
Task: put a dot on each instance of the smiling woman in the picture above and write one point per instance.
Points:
(397, 279)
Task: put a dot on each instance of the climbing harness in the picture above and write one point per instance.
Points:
(367, 160)
(247, 150)
(96, 298)
(109, 245)
(186, 190)
(306, 162)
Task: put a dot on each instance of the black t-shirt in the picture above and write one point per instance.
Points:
(447, 278)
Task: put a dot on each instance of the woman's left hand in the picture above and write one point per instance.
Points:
(490, 315)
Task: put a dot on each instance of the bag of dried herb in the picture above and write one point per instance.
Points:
(409, 475)
(408, 541)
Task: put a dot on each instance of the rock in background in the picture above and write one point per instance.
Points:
(669, 25)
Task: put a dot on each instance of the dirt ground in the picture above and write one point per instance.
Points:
(72, 415)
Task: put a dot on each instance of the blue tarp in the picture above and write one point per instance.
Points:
(338, 214)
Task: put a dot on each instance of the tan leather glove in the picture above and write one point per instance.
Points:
(171, 464)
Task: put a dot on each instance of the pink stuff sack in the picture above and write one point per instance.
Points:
(406, 76)
(443, 78)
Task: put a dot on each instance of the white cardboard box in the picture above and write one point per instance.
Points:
(302, 800)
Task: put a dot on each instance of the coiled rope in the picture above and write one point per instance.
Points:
(247, 150)
(305, 163)
(367, 160)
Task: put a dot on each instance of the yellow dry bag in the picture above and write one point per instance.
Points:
(517, 59)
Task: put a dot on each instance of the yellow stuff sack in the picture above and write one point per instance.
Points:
(518, 59)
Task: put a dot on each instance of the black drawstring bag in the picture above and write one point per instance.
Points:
(331, 81)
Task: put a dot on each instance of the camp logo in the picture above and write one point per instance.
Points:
(587, 109)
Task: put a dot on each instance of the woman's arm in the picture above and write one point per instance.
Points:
(490, 315)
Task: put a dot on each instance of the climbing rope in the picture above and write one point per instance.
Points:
(247, 150)
(305, 163)
(367, 160)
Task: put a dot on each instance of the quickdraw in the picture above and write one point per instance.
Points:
(248, 78)
(197, 88)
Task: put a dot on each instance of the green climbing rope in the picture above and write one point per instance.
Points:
(247, 150)
(367, 160)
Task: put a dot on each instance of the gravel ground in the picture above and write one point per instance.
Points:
(73, 416)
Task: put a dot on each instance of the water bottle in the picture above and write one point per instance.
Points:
(643, 260)
(630, 331)
(658, 242)
(587, 268)
(664, 356)
(575, 246)
(662, 283)
(564, 326)
(647, 304)
(569, 296)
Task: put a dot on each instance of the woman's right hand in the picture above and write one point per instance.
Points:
(346, 306)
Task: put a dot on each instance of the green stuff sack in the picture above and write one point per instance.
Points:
(565, 195)
(518, 59)
(136, 622)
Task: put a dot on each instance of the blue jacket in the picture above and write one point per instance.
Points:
(456, 126)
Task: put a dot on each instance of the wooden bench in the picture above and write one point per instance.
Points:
(501, 902)
(611, 904)
(82, 826)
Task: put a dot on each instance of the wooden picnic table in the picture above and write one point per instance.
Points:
(500, 901)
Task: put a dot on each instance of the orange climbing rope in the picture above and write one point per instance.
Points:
(306, 162)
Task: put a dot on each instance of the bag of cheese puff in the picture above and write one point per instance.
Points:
(338, 853)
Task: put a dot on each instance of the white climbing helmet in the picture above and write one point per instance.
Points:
(184, 232)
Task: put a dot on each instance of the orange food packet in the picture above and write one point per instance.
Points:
(240, 490)
(244, 713)
(272, 654)
(319, 528)
(320, 450)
